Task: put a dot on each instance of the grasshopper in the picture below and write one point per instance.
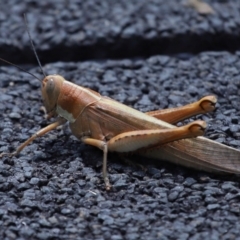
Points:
(112, 126)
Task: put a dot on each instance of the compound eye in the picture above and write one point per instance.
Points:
(50, 85)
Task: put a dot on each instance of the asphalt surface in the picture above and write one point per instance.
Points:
(54, 189)
(94, 29)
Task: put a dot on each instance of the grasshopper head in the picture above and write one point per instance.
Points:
(51, 88)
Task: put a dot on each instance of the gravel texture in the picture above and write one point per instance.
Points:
(54, 189)
(80, 30)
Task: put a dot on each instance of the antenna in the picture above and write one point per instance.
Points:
(31, 41)
(22, 69)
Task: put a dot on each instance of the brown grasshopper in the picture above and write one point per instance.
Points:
(111, 126)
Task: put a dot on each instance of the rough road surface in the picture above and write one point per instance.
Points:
(55, 190)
